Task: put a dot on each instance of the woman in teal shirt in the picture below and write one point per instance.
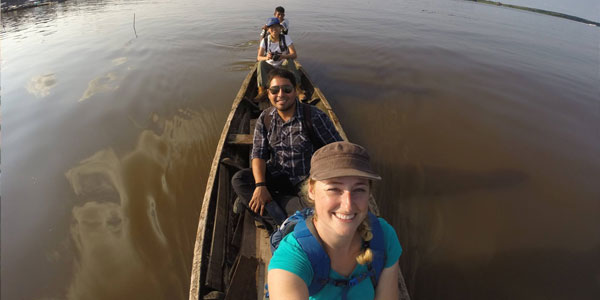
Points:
(339, 189)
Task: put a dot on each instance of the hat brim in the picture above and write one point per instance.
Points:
(328, 174)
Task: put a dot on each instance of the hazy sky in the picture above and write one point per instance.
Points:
(587, 9)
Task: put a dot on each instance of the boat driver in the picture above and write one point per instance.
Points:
(285, 23)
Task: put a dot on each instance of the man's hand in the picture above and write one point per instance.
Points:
(260, 198)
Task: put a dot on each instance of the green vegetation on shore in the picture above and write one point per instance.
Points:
(540, 11)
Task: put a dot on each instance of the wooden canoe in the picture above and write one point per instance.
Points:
(231, 254)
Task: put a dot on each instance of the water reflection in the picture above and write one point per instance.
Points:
(119, 61)
(131, 228)
(240, 66)
(234, 49)
(106, 83)
(41, 85)
(481, 120)
(241, 46)
(430, 191)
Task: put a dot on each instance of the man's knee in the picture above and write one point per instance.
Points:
(239, 175)
(264, 67)
(289, 65)
(242, 180)
(292, 203)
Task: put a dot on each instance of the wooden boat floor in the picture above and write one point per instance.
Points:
(255, 243)
(263, 252)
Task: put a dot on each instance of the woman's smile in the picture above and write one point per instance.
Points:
(345, 217)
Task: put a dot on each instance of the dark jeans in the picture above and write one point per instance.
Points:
(285, 196)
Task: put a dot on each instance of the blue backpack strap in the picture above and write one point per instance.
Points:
(377, 246)
(319, 260)
(288, 226)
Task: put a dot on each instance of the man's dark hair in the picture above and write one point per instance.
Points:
(279, 72)
(280, 9)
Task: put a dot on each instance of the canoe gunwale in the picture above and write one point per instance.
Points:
(196, 276)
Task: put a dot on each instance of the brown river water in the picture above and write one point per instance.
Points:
(483, 121)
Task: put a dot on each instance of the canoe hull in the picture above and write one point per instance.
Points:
(231, 254)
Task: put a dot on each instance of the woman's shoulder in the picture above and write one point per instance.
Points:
(392, 244)
(288, 247)
(385, 226)
(289, 256)
(289, 243)
(388, 230)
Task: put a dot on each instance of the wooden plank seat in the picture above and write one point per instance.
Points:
(240, 139)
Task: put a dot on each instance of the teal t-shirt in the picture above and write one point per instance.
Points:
(289, 256)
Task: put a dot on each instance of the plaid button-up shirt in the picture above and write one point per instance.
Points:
(286, 146)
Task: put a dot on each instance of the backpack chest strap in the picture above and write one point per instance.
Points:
(347, 284)
(321, 263)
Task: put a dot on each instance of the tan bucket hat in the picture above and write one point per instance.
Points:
(341, 159)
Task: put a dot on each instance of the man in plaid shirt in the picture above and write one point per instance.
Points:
(281, 153)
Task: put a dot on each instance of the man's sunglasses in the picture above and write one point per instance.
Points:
(286, 89)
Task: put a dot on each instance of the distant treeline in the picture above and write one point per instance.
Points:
(9, 5)
(541, 11)
(16, 2)
(13, 2)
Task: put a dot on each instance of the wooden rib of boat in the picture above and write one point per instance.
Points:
(231, 254)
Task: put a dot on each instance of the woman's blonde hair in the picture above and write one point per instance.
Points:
(364, 229)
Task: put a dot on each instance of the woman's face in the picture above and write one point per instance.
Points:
(341, 203)
(274, 30)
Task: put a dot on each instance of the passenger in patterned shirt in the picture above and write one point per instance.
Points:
(281, 153)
